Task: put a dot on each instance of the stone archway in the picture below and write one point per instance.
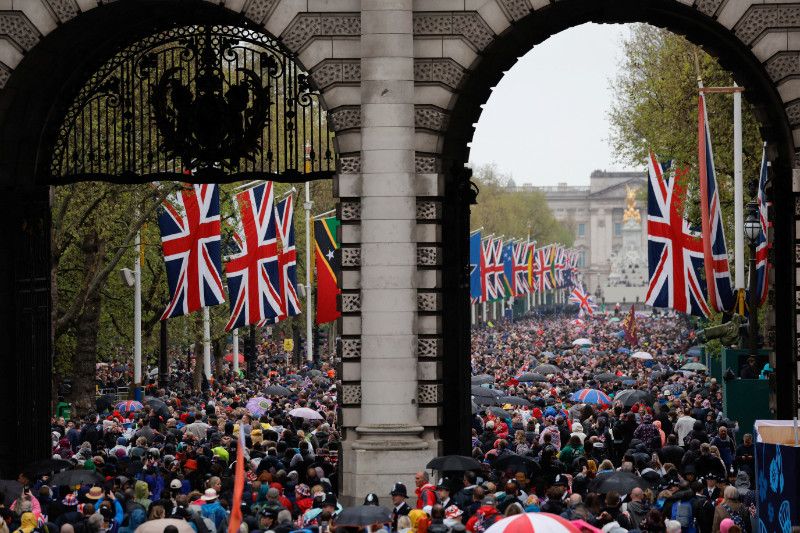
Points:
(403, 81)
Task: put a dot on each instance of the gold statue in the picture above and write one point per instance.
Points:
(631, 213)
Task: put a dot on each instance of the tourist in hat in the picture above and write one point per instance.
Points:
(212, 508)
(399, 495)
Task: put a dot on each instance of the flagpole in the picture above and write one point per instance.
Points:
(235, 352)
(137, 316)
(206, 343)
(738, 193)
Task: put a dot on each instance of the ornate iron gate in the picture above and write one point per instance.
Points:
(222, 102)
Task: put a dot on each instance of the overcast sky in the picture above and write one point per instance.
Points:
(546, 121)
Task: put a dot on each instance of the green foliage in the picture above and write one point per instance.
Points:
(514, 214)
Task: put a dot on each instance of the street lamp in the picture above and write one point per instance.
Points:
(752, 228)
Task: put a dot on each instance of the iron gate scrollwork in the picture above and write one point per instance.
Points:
(222, 102)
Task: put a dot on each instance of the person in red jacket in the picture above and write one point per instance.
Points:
(426, 493)
(486, 515)
(303, 499)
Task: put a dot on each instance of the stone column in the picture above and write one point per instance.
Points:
(389, 446)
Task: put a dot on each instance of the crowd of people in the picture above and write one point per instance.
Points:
(583, 430)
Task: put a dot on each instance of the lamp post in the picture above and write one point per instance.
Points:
(752, 228)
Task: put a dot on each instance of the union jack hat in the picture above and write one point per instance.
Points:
(70, 500)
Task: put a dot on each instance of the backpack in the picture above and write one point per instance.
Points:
(682, 512)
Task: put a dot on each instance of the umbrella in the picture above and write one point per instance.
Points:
(45, 466)
(321, 380)
(613, 319)
(229, 358)
(158, 526)
(606, 376)
(644, 356)
(482, 379)
(105, 402)
(619, 482)
(514, 400)
(695, 367)
(363, 515)
(129, 406)
(533, 523)
(514, 461)
(475, 408)
(77, 477)
(581, 342)
(695, 351)
(453, 463)
(624, 350)
(160, 407)
(629, 397)
(531, 377)
(315, 372)
(258, 405)
(277, 390)
(549, 355)
(628, 382)
(10, 490)
(305, 412)
(499, 412)
(592, 396)
(484, 392)
(547, 369)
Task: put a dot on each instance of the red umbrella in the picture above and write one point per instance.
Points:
(229, 358)
(533, 523)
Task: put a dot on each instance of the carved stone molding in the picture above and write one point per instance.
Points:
(428, 348)
(761, 17)
(429, 393)
(333, 71)
(350, 210)
(351, 348)
(345, 118)
(19, 29)
(350, 164)
(351, 257)
(782, 65)
(708, 7)
(515, 9)
(793, 112)
(351, 394)
(440, 71)
(430, 118)
(426, 164)
(429, 210)
(351, 302)
(429, 302)
(5, 73)
(306, 26)
(64, 10)
(429, 256)
(467, 25)
(259, 10)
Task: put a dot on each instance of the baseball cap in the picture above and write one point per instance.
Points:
(175, 484)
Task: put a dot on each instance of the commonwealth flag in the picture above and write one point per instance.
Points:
(328, 260)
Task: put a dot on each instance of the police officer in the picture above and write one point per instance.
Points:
(401, 508)
(443, 493)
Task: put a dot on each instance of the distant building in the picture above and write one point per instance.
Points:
(596, 216)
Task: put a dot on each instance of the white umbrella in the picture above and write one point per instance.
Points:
(305, 412)
(644, 356)
(581, 342)
(157, 526)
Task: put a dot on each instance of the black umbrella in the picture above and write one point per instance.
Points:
(513, 400)
(159, 406)
(629, 397)
(363, 515)
(484, 392)
(277, 390)
(606, 377)
(475, 408)
(453, 463)
(481, 379)
(315, 372)
(547, 369)
(10, 490)
(619, 482)
(516, 462)
(76, 477)
(499, 412)
(46, 466)
(529, 377)
(105, 402)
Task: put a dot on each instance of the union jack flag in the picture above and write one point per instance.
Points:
(519, 280)
(190, 239)
(560, 266)
(674, 251)
(493, 270)
(718, 275)
(542, 275)
(253, 278)
(287, 258)
(583, 299)
(762, 245)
